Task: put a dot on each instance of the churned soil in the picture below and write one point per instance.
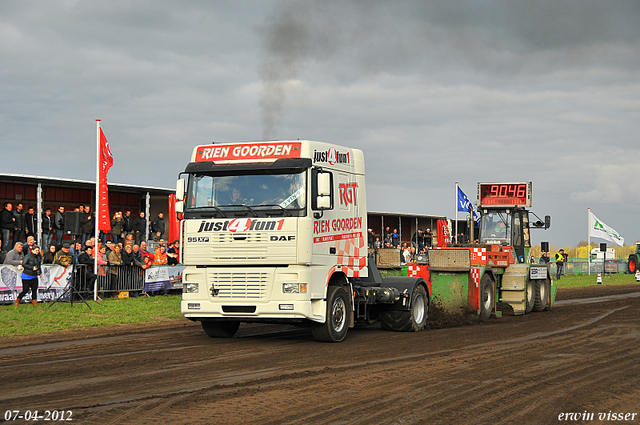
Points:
(579, 358)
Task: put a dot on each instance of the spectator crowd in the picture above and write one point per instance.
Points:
(421, 242)
(124, 246)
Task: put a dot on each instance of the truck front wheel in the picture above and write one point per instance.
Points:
(336, 325)
(413, 320)
(487, 296)
(220, 329)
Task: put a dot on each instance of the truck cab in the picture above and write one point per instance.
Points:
(275, 232)
(507, 227)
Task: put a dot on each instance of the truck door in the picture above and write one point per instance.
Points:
(521, 239)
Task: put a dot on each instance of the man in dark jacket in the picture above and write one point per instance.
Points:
(157, 227)
(31, 223)
(428, 238)
(88, 224)
(47, 229)
(140, 228)
(7, 224)
(19, 234)
(86, 260)
(127, 223)
(417, 240)
(58, 224)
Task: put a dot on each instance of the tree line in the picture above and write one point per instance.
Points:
(582, 250)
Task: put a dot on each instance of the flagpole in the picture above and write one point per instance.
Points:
(97, 212)
(589, 239)
(456, 197)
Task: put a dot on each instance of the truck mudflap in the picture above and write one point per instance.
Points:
(405, 286)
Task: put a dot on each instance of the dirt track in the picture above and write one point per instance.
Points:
(512, 370)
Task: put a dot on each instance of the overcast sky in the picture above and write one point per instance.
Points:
(433, 92)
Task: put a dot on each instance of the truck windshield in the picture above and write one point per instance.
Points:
(495, 228)
(249, 195)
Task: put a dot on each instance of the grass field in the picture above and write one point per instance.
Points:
(27, 320)
(571, 281)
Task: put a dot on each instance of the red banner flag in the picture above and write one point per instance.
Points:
(106, 162)
(443, 233)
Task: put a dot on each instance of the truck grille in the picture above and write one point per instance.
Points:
(240, 285)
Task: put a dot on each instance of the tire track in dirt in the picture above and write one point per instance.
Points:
(471, 396)
(455, 357)
(373, 377)
(451, 402)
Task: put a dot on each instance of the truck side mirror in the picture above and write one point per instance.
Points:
(324, 184)
(544, 246)
(547, 221)
(322, 192)
(323, 200)
(180, 189)
(179, 207)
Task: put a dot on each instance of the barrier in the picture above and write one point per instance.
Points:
(581, 266)
(110, 280)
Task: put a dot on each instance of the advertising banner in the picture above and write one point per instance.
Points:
(159, 278)
(51, 284)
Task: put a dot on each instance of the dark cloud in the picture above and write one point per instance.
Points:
(433, 92)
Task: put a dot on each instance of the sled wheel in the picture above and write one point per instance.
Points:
(413, 320)
(531, 295)
(542, 295)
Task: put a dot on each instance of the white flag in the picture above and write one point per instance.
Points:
(600, 230)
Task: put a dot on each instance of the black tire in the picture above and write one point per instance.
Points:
(632, 266)
(487, 297)
(531, 295)
(413, 320)
(220, 329)
(336, 325)
(542, 295)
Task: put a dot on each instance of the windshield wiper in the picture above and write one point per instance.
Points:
(218, 210)
(233, 207)
(279, 206)
(250, 209)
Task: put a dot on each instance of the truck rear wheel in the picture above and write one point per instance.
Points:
(531, 295)
(220, 329)
(336, 325)
(487, 297)
(413, 320)
(632, 266)
(542, 295)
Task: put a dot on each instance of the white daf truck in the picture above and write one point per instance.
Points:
(276, 232)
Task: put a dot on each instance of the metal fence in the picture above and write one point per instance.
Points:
(581, 266)
(111, 279)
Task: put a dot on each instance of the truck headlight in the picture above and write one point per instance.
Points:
(190, 288)
(294, 288)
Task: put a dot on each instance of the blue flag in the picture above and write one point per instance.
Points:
(464, 204)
